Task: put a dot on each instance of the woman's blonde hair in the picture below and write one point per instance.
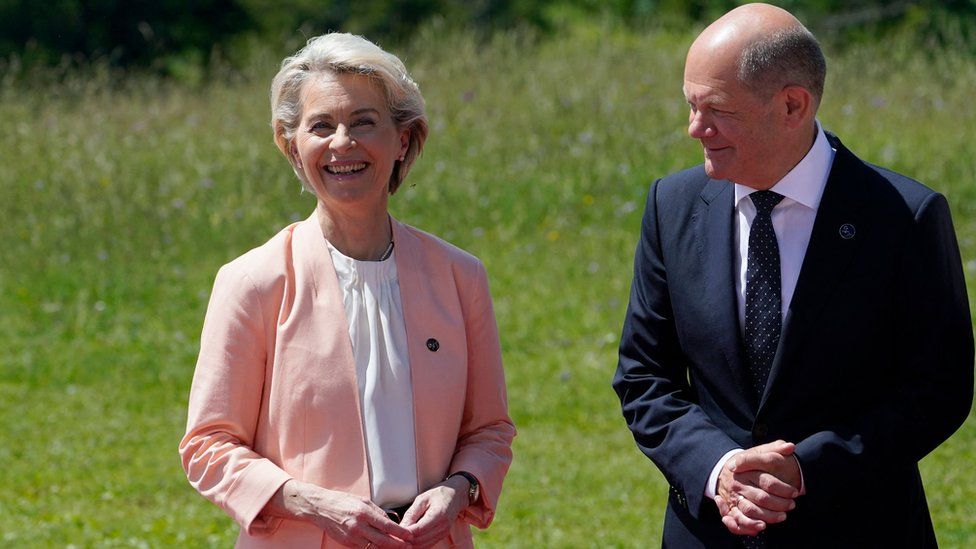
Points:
(341, 53)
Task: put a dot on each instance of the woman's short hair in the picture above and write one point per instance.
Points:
(341, 53)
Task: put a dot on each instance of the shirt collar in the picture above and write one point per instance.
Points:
(806, 181)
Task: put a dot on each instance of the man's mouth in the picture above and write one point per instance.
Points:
(346, 169)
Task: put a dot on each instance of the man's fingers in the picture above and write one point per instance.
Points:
(723, 505)
(756, 461)
(763, 456)
(739, 524)
(767, 501)
(772, 485)
(780, 447)
(757, 512)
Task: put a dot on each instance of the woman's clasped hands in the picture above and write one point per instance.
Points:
(355, 521)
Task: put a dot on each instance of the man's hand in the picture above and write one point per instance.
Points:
(758, 487)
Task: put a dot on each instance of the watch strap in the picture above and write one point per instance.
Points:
(474, 489)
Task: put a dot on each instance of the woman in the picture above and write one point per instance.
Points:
(349, 389)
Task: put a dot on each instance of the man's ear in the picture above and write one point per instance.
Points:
(799, 105)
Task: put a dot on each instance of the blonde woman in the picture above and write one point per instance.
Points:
(349, 389)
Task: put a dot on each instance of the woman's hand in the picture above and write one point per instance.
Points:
(351, 520)
(433, 513)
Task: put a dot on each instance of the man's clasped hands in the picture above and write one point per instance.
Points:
(758, 487)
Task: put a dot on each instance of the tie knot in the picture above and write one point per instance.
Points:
(765, 201)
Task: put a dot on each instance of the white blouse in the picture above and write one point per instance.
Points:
(371, 296)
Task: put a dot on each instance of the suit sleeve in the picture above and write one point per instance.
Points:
(933, 369)
(225, 400)
(484, 446)
(652, 378)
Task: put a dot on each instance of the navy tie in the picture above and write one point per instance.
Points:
(763, 305)
(763, 294)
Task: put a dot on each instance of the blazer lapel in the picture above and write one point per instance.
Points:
(324, 326)
(415, 294)
(833, 244)
(714, 224)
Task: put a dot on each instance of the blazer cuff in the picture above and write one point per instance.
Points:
(249, 495)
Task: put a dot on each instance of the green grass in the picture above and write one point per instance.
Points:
(121, 196)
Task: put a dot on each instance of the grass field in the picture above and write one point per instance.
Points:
(121, 196)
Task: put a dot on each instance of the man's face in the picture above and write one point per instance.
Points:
(738, 130)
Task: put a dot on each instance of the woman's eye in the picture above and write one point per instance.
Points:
(320, 126)
(364, 122)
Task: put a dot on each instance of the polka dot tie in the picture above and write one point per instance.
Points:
(763, 306)
(763, 295)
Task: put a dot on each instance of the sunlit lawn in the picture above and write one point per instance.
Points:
(120, 199)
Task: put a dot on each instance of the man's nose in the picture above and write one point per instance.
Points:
(699, 126)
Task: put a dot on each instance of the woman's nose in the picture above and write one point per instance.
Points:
(341, 140)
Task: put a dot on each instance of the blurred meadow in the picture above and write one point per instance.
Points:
(122, 193)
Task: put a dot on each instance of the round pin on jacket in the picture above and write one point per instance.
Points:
(847, 231)
(433, 345)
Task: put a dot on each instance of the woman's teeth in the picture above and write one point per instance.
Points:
(346, 168)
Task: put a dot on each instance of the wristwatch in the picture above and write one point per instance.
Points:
(474, 489)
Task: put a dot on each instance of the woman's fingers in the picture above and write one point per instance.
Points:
(415, 512)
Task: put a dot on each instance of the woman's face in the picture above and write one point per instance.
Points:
(347, 142)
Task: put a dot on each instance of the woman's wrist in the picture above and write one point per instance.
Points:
(289, 501)
(460, 486)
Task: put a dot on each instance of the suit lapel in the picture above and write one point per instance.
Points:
(714, 224)
(828, 255)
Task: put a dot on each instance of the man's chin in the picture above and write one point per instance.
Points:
(712, 170)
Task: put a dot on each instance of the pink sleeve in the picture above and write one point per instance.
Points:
(484, 446)
(225, 401)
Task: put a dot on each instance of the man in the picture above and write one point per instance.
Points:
(798, 335)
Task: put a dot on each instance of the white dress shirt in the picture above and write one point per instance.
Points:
(802, 188)
(371, 298)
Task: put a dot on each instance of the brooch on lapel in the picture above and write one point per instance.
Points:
(847, 231)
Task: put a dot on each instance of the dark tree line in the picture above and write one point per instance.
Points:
(141, 32)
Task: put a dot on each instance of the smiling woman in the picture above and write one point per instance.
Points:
(349, 388)
(347, 143)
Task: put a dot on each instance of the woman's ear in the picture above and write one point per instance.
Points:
(404, 144)
(293, 152)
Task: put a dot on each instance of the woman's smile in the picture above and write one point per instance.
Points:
(346, 168)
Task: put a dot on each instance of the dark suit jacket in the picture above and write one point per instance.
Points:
(873, 371)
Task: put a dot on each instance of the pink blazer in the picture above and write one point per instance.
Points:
(275, 396)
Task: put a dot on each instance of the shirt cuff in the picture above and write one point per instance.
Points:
(803, 484)
(712, 478)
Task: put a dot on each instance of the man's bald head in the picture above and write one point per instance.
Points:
(767, 48)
